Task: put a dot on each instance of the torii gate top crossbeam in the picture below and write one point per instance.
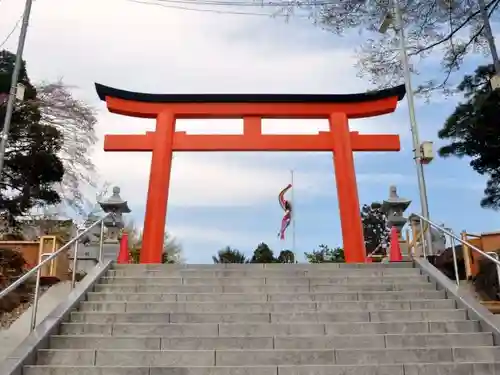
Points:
(192, 106)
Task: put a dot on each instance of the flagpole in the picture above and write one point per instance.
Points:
(293, 211)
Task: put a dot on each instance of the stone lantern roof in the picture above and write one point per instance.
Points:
(394, 202)
(115, 203)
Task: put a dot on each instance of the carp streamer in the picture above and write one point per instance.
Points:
(287, 207)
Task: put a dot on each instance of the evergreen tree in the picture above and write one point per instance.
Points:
(263, 254)
(229, 255)
(473, 131)
(375, 230)
(286, 256)
(326, 254)
(32, 166)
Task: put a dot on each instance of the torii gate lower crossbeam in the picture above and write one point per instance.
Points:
(252, 108)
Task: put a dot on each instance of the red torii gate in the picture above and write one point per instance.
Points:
(167, 108)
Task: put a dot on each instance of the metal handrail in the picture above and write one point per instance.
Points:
(38, 268)
(489, 255)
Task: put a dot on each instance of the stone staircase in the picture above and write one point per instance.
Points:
(273, 319)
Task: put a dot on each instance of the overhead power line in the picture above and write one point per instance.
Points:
(246, 3)
(11, 32)
(172, 5)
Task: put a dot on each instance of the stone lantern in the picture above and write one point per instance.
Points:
(89, 244)
(393, 207)
(116, 206)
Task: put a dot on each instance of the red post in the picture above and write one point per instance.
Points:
(159, 182)
(123, 256)
(395, 249)
(347, 190)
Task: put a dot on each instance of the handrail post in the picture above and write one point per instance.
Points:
(467, 255)
(495, 255)
(36, 295)
(75, 263)
(455, 261)
(101, 242)
(498, 271)
(422, 238)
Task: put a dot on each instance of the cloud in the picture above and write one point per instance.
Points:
(209, 179)
(151, 49)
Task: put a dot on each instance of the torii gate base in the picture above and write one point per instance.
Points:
(252, 108)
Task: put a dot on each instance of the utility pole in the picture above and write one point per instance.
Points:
(489, 35)
(411, 111)
(13, 87)
(417, 148)
(495, 79)
(398, 25)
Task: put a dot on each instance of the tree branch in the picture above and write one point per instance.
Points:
(452, 33)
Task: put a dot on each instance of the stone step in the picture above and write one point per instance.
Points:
(273, 266)
(272, 281)
(275, 357)
(268, 289)
(444, 368)
(268, 329)
(259, 297)
(265, 307)
(320, 317)
(311, 272)
(270, 342)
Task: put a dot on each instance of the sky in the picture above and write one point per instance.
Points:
(220, 199)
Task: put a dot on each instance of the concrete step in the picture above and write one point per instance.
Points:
(276, 357)
(259, 297)
(270, 342)
(266, 307)
(406, 369)
(267, 329)
(268, 289)
(272, 266)
(258, 281)
(320, 317)
(311, 272)
(268, 319)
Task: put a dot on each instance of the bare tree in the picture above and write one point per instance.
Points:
(172, 249)
(101, 193)
(76, 121)
(448, 29)
(134, 234)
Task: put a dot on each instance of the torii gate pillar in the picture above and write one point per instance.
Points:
(252, 108)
